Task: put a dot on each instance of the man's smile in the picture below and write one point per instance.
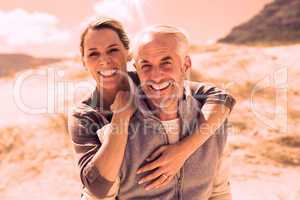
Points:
(158, 87)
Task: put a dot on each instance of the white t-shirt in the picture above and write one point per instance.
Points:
(172, 128)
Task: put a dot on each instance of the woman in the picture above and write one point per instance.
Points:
(105, 54)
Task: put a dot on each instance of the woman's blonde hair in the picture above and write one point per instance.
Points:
(105, 22)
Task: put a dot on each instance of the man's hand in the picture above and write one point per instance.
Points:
(167, 161)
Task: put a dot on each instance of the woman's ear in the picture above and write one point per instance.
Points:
(83, 63)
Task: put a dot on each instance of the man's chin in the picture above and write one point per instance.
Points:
(162, 102)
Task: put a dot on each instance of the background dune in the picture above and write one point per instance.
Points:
(10, 64)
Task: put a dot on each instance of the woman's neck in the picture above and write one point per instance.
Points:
(107, 97)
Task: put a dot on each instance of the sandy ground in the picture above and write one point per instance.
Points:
(36, 157)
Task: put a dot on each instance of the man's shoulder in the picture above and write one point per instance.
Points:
(197, 87)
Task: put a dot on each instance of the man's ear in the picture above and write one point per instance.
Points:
(187, 63)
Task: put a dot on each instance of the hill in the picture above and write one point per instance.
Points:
(277, 23)
(12, 63)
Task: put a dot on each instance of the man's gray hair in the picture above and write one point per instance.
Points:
(178, 33)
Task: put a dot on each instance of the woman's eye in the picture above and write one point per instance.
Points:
(113, 50)
(93, 54)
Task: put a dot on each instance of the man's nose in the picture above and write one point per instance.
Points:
(156, 74)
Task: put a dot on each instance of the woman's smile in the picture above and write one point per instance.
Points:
(108, 73)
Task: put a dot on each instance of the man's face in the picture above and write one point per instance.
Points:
(161, 67)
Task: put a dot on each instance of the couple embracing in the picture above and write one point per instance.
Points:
(149, 133)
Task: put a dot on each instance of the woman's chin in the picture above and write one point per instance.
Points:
(111, 84)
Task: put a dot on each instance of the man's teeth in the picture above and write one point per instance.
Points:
(107, 72)
(161, 86)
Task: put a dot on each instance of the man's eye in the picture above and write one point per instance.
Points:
(146, 67)
(166, 63)
(94, 54)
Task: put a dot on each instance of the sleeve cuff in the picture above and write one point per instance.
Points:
(101, 132)
(96, 183)
(224, 99)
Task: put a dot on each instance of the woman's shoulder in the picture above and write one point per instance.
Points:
(84, 112)
(133, 75)
(84, 122)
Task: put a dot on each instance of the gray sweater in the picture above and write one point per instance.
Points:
(195, 179)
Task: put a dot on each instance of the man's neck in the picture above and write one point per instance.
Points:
(166, 117)
(168, 113)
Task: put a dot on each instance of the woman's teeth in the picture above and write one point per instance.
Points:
(107, 72)
(160, 86)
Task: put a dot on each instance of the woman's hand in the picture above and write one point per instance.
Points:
(122, 108)
(167, 161)
(123, 104)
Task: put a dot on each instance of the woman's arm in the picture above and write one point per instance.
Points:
(109, 158)
(172, 157)
(100, 163)
(216, 106)
(214, 117)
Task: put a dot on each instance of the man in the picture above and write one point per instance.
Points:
(167, 113)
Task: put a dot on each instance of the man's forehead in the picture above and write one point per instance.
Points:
(157, 45)
(155, 54)
(158, 40)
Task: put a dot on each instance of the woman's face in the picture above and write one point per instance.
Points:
(105, 57)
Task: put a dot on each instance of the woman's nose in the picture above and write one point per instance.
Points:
(104, 60)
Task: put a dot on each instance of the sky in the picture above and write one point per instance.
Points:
(51, 28)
